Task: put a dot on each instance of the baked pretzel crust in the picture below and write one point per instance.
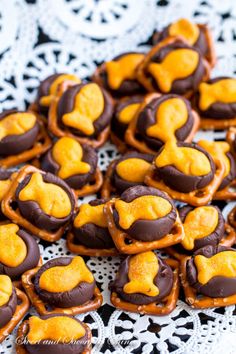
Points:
(15, 215)
(198, 197)
(86, 251)
(91, 188)
(18, 283)
(202, 302)
(134, 246)
(20, 312)
(41, 145)
(121, 145)
(217, 124)
(231, 140)
(107, 187)
(55, 129)
(228, 240)
(23, 330)
(227, 193)
(211, 55)
(131, 132)
(141, 70)
(41, 307)
(232, 217)
(162, 308)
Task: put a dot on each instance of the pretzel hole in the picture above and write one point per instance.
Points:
(48, 307)
(174, 230)
(128, 241)
(199, 194)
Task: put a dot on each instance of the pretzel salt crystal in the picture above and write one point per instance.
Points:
(125, 244)
(54, 126)
(198, 197)
(200, 302)
(41, 307)
(16, 216)
(161, 308)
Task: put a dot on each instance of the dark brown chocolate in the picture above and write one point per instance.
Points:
(201, 43)
(91, 235)
(43, 90)
(31, 260)
(120, 184)
(212, 239)
(232, 173)
(46, 346)
(82, 293)
(217, 286)
(181, 182)
(48, 164)
(31, 210)
(217, 110)
(180, 86)
(147, 230)
(147, 118)
(163, 280)
(15, 144)
(128, 87)
(66, 105)
(117, 127)
(7, 311)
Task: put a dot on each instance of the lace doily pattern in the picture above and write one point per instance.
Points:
(39, 37)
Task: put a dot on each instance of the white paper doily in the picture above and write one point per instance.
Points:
(40, 37)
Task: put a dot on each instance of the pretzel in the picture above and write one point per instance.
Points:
(87, 189)
(232, 217)
(141, 70)
(202, 301)
(55, 129)
(211, 56)
(41, 145)
(18, 283)
(121, 145)
(91, 188)
(227, 193)
(162, 308)
(126, 244)
(198, 197)
(107, 187)
(228, 240)
(41, 307)
(23, 331)
(217, 124)
(16, 216)
(86, 251)
(231, 140)
(21, 310)
(131, 132)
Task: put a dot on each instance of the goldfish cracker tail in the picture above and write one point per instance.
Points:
(161, 75)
